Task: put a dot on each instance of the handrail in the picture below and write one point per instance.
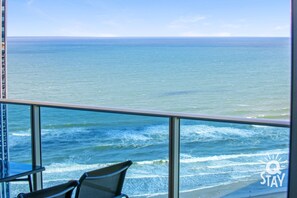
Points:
(191, 116)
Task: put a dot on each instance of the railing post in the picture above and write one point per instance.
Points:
(292, 190)
(174, 155)
(36, 145)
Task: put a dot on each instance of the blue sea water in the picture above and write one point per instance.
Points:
(246, 77)
(221, 76)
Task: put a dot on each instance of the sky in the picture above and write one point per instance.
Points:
(149, 18)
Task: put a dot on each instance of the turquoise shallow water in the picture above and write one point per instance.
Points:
(247, 77)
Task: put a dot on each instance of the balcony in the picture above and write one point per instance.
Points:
(174, 154)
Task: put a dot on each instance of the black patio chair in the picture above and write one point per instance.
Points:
(104, 183)
(59, 191)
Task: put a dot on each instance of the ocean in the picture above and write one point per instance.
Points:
(244, 77)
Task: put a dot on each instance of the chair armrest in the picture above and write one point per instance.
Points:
(60, 190)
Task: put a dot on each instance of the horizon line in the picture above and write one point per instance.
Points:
(110, 37)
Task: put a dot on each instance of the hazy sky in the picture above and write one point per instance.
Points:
(148, 18)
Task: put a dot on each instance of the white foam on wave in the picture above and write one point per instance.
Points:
(21, 134)
(234, 164)
(155, 134)
(228, 157)
(261, 126)
(241, 164)
(146, 136)
(212, 132)
(222, 172)
(243, 105)
(135, 137)
(69, 167)
(186, 158)
(71, 131)
(150, 195)
(55, 180)
(146, 176)
(159, 133)
(207, 187)
(153, 162)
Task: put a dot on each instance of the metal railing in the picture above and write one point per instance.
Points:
(174, 132)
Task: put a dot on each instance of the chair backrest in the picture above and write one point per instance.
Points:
(104, 183)
(59, 191)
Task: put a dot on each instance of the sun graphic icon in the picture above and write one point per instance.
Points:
(273, 164)
(273, 175)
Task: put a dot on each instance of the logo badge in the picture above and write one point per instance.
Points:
(272, 176)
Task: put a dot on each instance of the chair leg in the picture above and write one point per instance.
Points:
(30, 183)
